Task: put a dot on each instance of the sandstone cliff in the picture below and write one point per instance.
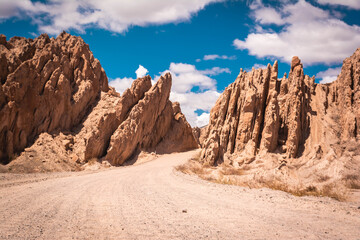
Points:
(46, 85)
(290, 130)
(57, 110)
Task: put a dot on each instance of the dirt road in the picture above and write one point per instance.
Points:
(153, 201)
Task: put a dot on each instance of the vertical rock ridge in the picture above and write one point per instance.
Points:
(289, 117)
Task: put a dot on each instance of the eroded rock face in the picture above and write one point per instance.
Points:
(46, 85)
(154, 123)
(260, 113)
(55, 102)
(290, 130)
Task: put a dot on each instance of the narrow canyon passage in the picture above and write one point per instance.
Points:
(153, 201)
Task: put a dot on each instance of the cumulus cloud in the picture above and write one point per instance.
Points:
(121, 84)
(328, 75)
(202, 120)
(117, 16)
(266, 15)
(256, 66)
(186, 76)
(347, 3)
(306, 31)
(215, 71)
(216, 56)
(190, 102)
(195, 90)
(141, 72)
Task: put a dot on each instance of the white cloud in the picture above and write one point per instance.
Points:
(215, 71)
(307, 31)
(121, 84)
(191, 101)
(186, 78)
(141, 72)
(266, 15)
(347, 3)
(256, 66)
(202, 120)
(54, 16)
(216, 56)
(328, 75)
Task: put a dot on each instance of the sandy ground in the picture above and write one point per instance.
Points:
(153, 201)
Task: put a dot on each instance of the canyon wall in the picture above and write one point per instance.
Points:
(290, 134)
(292, 116)
(55, 103)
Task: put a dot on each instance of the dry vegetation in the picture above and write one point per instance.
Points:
(352, 181)
(233, 176)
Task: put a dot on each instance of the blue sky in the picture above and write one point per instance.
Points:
(203, 43)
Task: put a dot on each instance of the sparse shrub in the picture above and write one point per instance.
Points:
(311, 189)
(232, 176)
(352, 181)
(209, 178)
(191, 167)
(231, 171)
(330, 190)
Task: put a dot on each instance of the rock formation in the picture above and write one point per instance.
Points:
(153, 124)
(200, 134)
(288, 127)
(56, 104)
(46, 85)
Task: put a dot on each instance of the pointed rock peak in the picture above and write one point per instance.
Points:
(44, 36)
(176, 107)
(275, 66)
(64, 35)
(166, 79)
(295, 62)
(2, 39)
(167, 75)
(140, 86)
(145, 78)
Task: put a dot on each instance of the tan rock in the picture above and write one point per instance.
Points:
(179, 137)
(55, 100)
(46, 85)
(149, 123)
(200, 134)
(293, 130)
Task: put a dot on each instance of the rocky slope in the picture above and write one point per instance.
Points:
(289, 131)
(57, 110)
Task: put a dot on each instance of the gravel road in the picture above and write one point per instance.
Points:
(153, 201)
